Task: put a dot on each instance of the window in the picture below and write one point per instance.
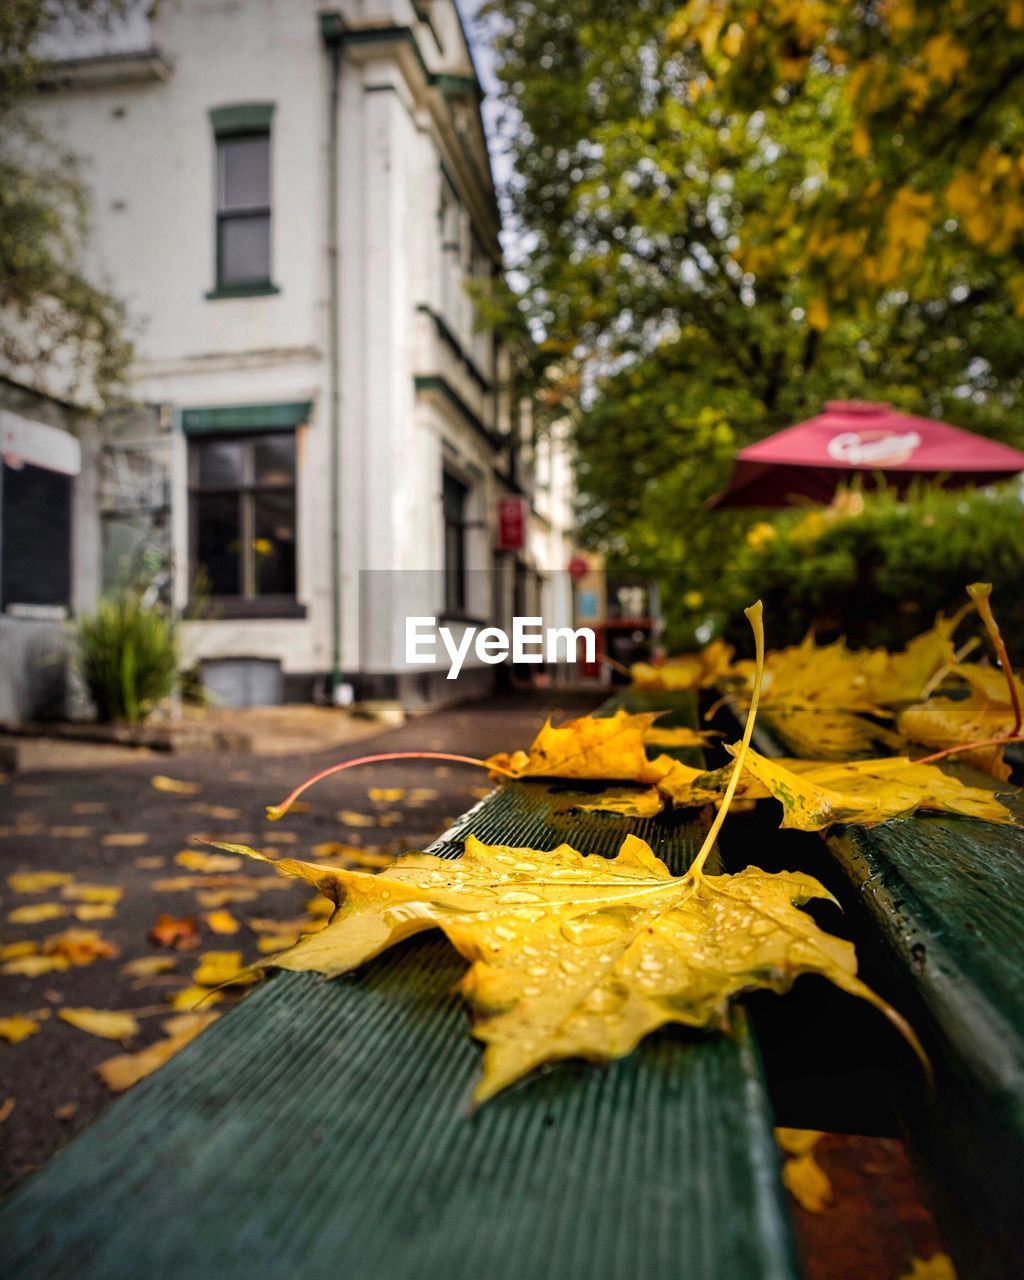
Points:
(35, 540)
(454, 495)
(243, 210)
(242, 491)
(243, 199)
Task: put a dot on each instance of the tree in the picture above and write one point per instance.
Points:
(681, 208)
(54, 317)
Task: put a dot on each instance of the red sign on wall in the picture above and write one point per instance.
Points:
(512, 514)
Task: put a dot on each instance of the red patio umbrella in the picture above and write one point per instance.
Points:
(811, 460)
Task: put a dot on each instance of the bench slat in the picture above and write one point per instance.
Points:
(320, 1129)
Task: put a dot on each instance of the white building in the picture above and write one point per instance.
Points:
(291, 201)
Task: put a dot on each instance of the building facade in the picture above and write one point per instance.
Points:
(292, 203)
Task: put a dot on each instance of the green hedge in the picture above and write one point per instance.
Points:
(878, 573)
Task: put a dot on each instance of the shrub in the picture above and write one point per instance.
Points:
(878, 570)
(128, 656)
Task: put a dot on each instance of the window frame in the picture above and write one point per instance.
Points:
(248, 602)
(234, 124)
(455, 603)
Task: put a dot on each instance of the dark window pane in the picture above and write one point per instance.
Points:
(245, 249)
(218, 532)
(35, 536)
(220, 464)
(274, 459)
(244, 173)
(454, 498)
(274, 543)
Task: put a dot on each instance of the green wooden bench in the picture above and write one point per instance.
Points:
(320, 1130)
(939, 904)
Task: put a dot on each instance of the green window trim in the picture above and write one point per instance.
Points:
(253, 289)
(247, 418)
(245, 117)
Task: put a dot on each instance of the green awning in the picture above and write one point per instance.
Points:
(247, 418)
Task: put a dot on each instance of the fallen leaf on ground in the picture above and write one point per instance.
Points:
(591, 747)
(687, 671)
(219, 968)
(335, 849)
(214, 899)
(126, 1069)
(37, 912)
(66, 1111)
(92, 892)
(270, 942)
(149, 862)
(319, 906)
(38, 881)
(222, 812)
(206, 862)
(939, 723)
(174, 786)
(6, 1107)
(87, 911)
(180, 932)
(807, 1182)
(294, 926)
(682, 736)
(352, 818)
(89, 806)
(183, 884)
(420, 795)
(222, 922)
(69, 833)
(386, 795)
(14, 950)
(279, 837)
(108, 1024)
(125, 839)
(146, 966)
(72, 948)
(18, 1027)
(190, 998)
(938, 1267)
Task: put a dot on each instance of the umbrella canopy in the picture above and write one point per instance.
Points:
(811, 460)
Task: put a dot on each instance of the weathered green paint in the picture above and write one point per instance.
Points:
(322, 1130)
(246, 418)
(243, 118)
(945, 901)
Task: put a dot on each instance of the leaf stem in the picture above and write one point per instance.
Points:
(980, 593)
(755, 618)
(277, 811)
(1005, 740)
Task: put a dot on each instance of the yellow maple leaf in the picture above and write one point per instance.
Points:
(578, 955)
(807, 1182)
(106, 1023)
(938, 1267)
(591, 747)
(38, 881)
(37, 912)
(174, 786)
(815, 795)
(220, 968)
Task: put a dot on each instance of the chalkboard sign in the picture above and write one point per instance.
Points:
(35, 537)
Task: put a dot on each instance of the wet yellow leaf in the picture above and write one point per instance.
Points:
(108, 1024)
(87, 911)
(38, 881)
(866, 792)
(206, 862)
(628, 802)
(216, 968)
(352, 818)
(6, 1107)
(319, 906)
(688, 671)
(174, 786)
(334, 849)
(270, 942)
(125, 839)
(279, 837)
(369, 858)
(17, 1027)
(221, 812)
(386, 795)
(216, 898)
(591, 747)
(126, 1069)
(683, 736)
(147, 966)
(14, 950)
(576, 955)
(89, 806)
(797, 1142)
(222, 922)
(807, 1182)
(92, 892)
(190, 998)
(938, 1267)
(69, 833)
(37, 912)
(34, 966)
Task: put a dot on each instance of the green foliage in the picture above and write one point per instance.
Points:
(880, 576)
(128, 656)
(54, 315)
(668, 236)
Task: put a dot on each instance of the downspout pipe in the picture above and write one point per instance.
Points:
(331, 29)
